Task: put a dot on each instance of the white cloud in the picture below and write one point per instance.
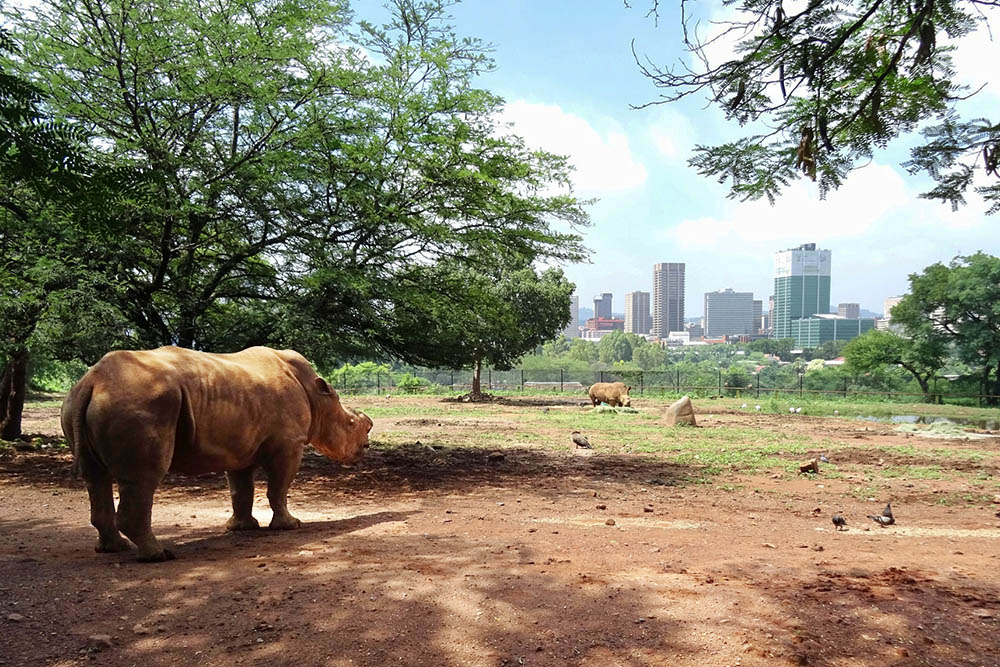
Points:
(603, 161)
(867, 197)
(672, 134)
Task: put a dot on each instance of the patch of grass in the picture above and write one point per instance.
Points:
(915, 472)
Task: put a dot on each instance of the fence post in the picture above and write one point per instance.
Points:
(758, 385)
(720, 383)
(378, 383)
(561, 381)
(522, 380)
(640, 383)
(453, 380)
(602, 376)
(489, 379)
(678, 380)
(801, 375)
(845, 387)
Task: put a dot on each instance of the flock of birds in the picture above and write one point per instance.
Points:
(883, 519)
(791, 410)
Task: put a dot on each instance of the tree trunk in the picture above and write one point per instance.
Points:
(12, 389)
(924, 386)
(476, 375)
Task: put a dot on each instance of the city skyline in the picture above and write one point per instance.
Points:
(652, 207)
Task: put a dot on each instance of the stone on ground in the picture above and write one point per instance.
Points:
(680, 412)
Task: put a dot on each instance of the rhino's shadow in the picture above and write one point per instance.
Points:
(265, 541)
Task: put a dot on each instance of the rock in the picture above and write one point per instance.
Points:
(811, 466)
(680, 412)
(16, 618)
(602, 506)
(140, 629)
(495, 457)
(98, 642)
(768, 545)
(647, 508)
(609, 522)
(996, 499)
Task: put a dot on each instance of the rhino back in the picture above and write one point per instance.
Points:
(202, 412)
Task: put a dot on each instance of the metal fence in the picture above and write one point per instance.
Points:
(643, 383)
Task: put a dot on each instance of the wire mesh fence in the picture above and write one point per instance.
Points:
(642, 383)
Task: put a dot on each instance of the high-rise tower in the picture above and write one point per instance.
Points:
(801, 286)
(668, 298)
(637, 319)
(602, 306)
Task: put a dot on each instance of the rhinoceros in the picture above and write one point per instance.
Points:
(135, 415)
(613, 393)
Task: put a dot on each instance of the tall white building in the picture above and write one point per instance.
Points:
(801, 286)
(637, 319)
(572, 329)
(668, 298)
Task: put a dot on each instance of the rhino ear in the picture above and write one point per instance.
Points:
(323, 388)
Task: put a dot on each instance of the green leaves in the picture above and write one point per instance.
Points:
(851, 76)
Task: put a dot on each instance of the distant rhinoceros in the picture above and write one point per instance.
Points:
(136, 415)
(613, 393)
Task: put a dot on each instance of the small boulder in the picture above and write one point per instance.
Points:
(812, 465)
(680, 412)
(97, 643)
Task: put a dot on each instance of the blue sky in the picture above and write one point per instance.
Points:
(566, 70)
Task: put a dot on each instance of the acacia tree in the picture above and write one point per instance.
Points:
(959, 302)
(922, 354)
(306, 174)
(823, 85)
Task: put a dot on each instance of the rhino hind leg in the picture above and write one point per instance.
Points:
(134, 519)
(102, 512)
(281, 471)
(241, 491)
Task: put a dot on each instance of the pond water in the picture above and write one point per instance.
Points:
(972, 422)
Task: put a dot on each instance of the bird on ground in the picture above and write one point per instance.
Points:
(580, 440)
(884, 519)
(836, 412)
(798, 410)
(791, 410)
(757, 408)
(822, 457)
(839, 521)
(744, 406)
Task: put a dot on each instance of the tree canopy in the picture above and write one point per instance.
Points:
(821, 85)
(958, 303)
(301, 178)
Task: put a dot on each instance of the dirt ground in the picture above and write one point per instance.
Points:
(531, 556)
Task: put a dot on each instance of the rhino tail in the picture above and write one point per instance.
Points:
(75, 429)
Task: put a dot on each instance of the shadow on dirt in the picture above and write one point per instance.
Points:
(895, 616)
(301, 597)
(393, 470)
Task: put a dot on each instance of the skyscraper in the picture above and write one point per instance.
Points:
(758, 315)
(801, 286)
(668, 298)
(851, 310)
(602, 306)
(728, 313)
(572, 329)
(637, 319)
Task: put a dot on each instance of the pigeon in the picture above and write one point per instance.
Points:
(744, 406)
(798, 410)
(884, 519)
(757, 408)
(791, 410)
(839, 521)
(580, 440)
(822, 457)
(836, 412)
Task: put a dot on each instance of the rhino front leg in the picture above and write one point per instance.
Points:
(281, 471)
(241, 490)
(134, 519)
